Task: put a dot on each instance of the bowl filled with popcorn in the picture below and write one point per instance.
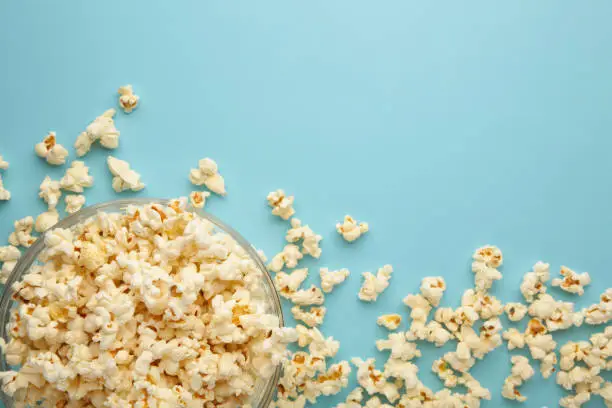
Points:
(141, 303)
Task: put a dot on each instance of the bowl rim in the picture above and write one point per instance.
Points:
(31, 254)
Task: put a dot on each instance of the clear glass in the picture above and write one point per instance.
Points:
(264, 388)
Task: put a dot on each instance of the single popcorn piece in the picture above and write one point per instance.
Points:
(432, 289)
(310, 240)
(46, 220)
(486, 261)
(444, 371)
(329, 279)
(77, 177)
(22, 236)
(306, 297)
(572, 282)
(599, 313)
(350, 229)
(53, 152)
(288, 257)
(399, 346)
(127, 99)
(515, 311)
(102, 129)
(373, 380)
(374, 285)
(353, 399)
(5, 195)
(282, 205)
(124, 177)
(50, 192)
(515, 338)
(313, 317)
(3, 163)
(9, 255)
(521, 372)
(389, 321)
(198, 198)
(207, 174)
(534, 283)
(74, 202)
(420, 308)
(437, 334)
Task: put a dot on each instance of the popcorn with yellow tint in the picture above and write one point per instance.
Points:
(329, 279)
(102, 130)
(572, 282)
(389, 321)
(207, 174)
(127, 99)
(374, 285)
(282, 205)
(198, 198)
(350, 229)
(53, 152)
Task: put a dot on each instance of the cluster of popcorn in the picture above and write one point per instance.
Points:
(150, 307)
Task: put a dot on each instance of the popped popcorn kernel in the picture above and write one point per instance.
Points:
(53, 152)
(127, 99)
(310, 241)
(102, 130)
(306, 297)
(534, 283)
(76, 177)
(433, 288)
(599, 313)
(329, 279)
(22, 235)
(46, 220)
(571, 281)
(374, 285)
(124, 177)
(207, 174)
(389, 321)
(313, 317)
(486, 261)
(198, 198)
(9, 255)
(515, 311)
(350, 229)
(282, 205)
(74, 202)
(50, 192)
(5, 195)
(521, 372)
(288, 257)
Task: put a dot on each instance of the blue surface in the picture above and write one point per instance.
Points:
(445, 126)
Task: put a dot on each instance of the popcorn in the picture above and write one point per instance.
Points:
(572, 282)
(437, 334)
(400, 348)
(329, 383)
(50, 192)
(443, 370)
(50, 150)
(22, 236)
(46, 220)
(124, 177)
(577, 375)
(375, 402)
(3, 163)
(515, 338)
(76, 178)
(318, 345)
(127, 99)
(420, 311)
(198, 198)
(281, 204)
(5, 195)
(74, 202)
(486, 261)
(432, 289)
(102, 129)
(306, 297)
(350, 230)
(460, 360)
(485, 305)
(329, 279)
(313, 317)
(9, 255)
(389, 321)
(374, 381)
(207, 174)
(515, 311)
(374, 285)
(288, 257)
(288, 283)
(534, 282)
(404, 371)
(353, 399)
(575, 401)
(600, 313)
(474, 388)
(310, 240)
(521, 372)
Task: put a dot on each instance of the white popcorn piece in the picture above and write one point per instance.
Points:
(328, 383)
(515, 311)
(313, 317)
(374, 285)
(432, 289)
(282, 205)
(399, 346)
(310, 240)
(288, 283)
(534, 283)
(420, 308)
(521, 372)
(50, 192)
(350, 229)
(556, 315)
(373, 380)
(460, 360)
(207, 174)
(53, 152)
(124, 177)
(515, 338)
(575, 401)
(288, 257)
(22, 235)
(77, 177)
(599, 313)
(102, 129)
(353, 399)
(5, 195)
(487, 306)
(318, 345)
(74, 202)
(198, 198)
(474, 388)
(9, 255)
(486, 261)
(329, 279)
(437, 334)
(3, 163)
(389, 321)
(306, 297)
(46, 220)
(572, 282)
(444, 371)
(127, 99)
(405, 372)
(375, 402)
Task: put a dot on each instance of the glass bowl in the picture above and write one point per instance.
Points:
(264, 389)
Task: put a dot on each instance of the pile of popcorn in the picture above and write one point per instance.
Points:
(151, 307)
(154, 308)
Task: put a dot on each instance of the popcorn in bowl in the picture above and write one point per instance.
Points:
(139, 303)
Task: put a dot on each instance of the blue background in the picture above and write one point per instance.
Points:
(445, 125)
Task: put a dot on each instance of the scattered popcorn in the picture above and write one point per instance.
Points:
(534, 283)
(46, 220)
(572, 282)
(22, 236)
(102, 129)
(198, 198)
(310, 240)
(288, 283)
(389, 321)
(127, 99)
(77, 177)
(486, 261)
(9, 255)
(281, 204)
(306, 297)
(373, 380)
(313, 317)
(432, 289)
(329, 279)
(124, 177)
(375, 285)
(5, 195)
(50, 150)
(600, 313)
(437, 334)
(521, 372)
(485, 305)
(350, 230)
(3, 163)
(207, 174)
(74, 202)
(515, 311)
(50, 192)
(400, 348)
(288, 257)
